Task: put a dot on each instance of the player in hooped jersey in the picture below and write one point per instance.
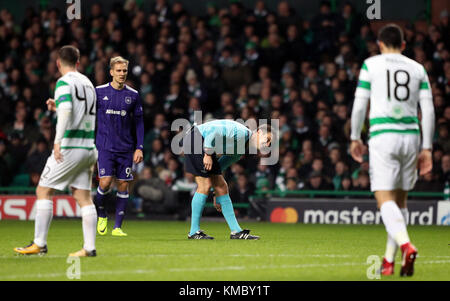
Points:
(72, 161)
(396, 86)
(119, 140)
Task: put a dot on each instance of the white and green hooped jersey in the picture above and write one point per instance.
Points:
(395, 84)
(75, 91)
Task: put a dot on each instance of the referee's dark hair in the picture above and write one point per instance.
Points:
(69, 55)
(391, 35)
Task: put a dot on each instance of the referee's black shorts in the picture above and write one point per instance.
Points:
(193, 159)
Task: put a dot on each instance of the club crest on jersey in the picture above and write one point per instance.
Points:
(128, 100)
(397, 112)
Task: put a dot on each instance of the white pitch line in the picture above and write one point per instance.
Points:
(212, 269)
(14, 256)
(186, 255)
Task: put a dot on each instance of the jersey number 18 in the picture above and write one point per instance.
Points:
(401, 82)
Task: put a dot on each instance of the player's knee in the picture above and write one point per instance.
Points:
(122, 185)
(105, 185)
(43, 193)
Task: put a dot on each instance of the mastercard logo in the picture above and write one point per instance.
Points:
(284, 215)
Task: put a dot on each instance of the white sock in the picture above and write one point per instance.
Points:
(394, 222)
(405, 214)
(44, 215)
(89, 220)
(391, 249)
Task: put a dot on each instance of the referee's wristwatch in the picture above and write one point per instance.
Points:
(208, 151)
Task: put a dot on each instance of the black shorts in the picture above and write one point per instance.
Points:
(193, 163)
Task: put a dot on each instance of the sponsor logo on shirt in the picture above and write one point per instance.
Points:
(113, 112)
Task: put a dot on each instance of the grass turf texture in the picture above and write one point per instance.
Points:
(161, 251)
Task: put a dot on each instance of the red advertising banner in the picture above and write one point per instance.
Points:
(22, 207)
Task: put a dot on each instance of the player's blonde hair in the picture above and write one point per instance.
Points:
(117, 60)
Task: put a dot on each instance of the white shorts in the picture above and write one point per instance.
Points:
(74, 171)
(393, 161)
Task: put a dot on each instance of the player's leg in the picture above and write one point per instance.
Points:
(89, 221)
(387, 267)
(122, 198)
(55, 176)
(105, 171)
(409, 251)
(391, 244)
(103, 189)
(385, 178)
(392, 216)
(400, 198)
(81, 190)
(197, 205)
(122, 163)
(43, 218)
(395, 224)
(44, 215)
(409, 157)
(223, 199)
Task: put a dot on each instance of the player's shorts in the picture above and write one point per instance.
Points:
(115, 164)
(393, 161)
(194, 153)
(75, 170)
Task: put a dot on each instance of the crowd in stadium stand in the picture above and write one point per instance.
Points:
(234, 62)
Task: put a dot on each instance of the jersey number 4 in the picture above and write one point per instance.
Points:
(83, 98)
(401, 80)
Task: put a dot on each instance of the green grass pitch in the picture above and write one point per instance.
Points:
(156, 250)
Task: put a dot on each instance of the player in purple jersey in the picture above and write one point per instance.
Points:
(119, 141)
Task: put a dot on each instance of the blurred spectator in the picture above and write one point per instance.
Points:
(36, 160)
(152, 195)
(5, 164)
(317, 182)
(241, 192)
(362, 181)
(444, 172)
(429, 183)
(340, 171)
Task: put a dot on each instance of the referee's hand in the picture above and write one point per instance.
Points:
(207, 162)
